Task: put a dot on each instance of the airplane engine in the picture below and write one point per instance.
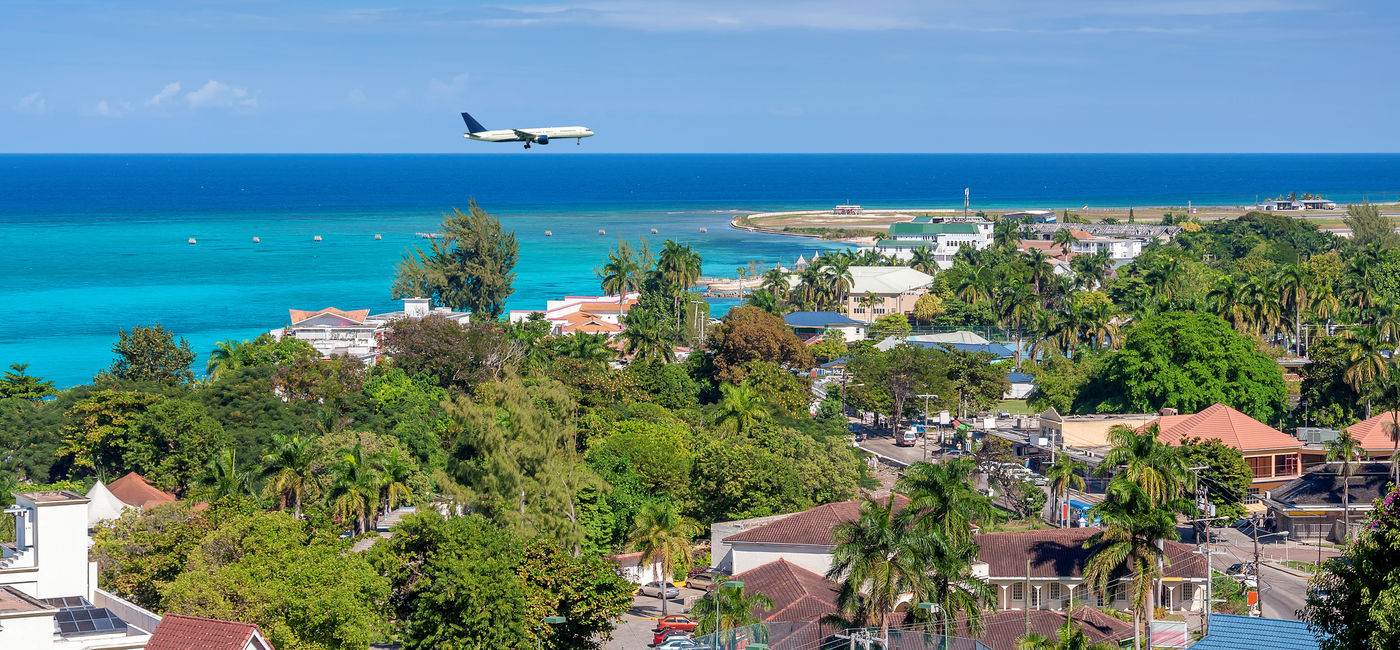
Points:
(542, 139)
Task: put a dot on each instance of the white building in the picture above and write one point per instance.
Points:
(1118, 249)
(895, 288)
(588, 314)
(48, 589)
(356, 333)
(941, 235)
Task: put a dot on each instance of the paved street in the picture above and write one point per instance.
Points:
(634, 631)
(1283, 593)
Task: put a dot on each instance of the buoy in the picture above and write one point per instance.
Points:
(257, 241)
(602, 232)
(548, 233)
(316, 238)
(704, 230)
(378, 236)
(653, 231)
(191, 240)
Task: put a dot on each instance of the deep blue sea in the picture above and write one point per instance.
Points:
(98, 242)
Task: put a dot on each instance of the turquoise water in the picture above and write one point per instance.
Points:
(97, 243)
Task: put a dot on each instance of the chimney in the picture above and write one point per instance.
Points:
(416, 307)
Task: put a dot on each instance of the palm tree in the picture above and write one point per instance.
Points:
(1038, 267)
(740, 408)
(837, 277)
(647, 338)
(393, 470)
(1145, 461)
(867, 302)
(590, 348)
(222, 476)
(1367, 356)
(1069, 637)
(877, 558)
(620, 274)
(945, 499)
(952, 587)
(288, 470)
(765, 300)
(1227, 296)
(923, 260)
(1385, 392)
(227, 354)
(1164, 276)
(679, 266)
(1064, 474)
(354, 489)
(1064, 238)
(663, 537)
(975, 284)
(1005, 235)
(1018, 306)
(1295, 282)
(1346, 450)
(1134, 526)
(730, 606)
(775, 281)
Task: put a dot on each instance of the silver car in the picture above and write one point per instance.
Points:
(656, 589)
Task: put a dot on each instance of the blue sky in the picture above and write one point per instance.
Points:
(717, 76)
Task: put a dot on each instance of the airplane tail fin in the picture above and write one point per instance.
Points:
(473, 126)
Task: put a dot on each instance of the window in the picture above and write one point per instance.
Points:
(1035, 597)
(1099, 599)
(1187, 591)
(1166, 599)
(1054, 591)
(1261, 466)
(1018, 591)
(1116, 593)
(1286, 465)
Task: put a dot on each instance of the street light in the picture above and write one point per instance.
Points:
(548, 620)
(733, 584)
(926, 398)
(930, 607)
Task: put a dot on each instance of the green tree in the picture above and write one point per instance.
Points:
(1328, 399)
(740, 408)
(732, 607)
(1226, 474)
(1065, 474)
(747, 334)
(1354, 601)
(470, 267)
(1141, 458)
(832, 346)
(19, 385)
(172, 441)
(1384, 390)
(287, 466)
(140, 552)
(587, 591)
(299, 586)
(1130, 544)
(927, 308)
(664, 538)
(978, 383)
(459, 356)
(892, 324)
(1348, 453)
(1188, 362)
(151, 354)
(1368, 227)
(877, 559)
(98, 436)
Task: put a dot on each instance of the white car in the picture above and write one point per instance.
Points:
(655, 589)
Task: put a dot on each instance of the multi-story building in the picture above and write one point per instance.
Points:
(892, 290)
(588, 314)
(943, 235)
(356, 333)
(1272, 455)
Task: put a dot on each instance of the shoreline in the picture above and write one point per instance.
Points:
(819, 224)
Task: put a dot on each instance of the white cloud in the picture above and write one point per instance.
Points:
(165, 95)
(33, 104)
(451, 89)
(111, 109)
(216, 94)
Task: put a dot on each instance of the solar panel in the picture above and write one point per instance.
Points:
(68, 601)
(77, 621)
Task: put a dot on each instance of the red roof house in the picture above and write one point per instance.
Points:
(1272, 454)
(1374, 435)
(134, 490)
(179, 632)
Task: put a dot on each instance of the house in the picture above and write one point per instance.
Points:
(894, 290)
(1044, 569)
(1118, 249)
(802, 538)
(808, 324)
(960, 336)
(179, 632)
(1272, 455)
(1373, 435)
(1310, 506)
(588, 314)
(630, 564)
(997, 350)
(1231, 632)
(943, 236)
(48, 589)
(798, 594)
(1145, 232)
(1032, 216)
(356, 333)
(1086, 432)
(1002, 630)
(1021, 385)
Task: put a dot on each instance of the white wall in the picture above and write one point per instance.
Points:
(852, 333)
(60, 550)
(28, 632)
(816, 559)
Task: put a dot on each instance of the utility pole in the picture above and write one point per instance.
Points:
(1259, 593)
(1027, 601)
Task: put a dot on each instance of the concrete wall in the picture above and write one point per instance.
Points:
(816, 559)
(130, 612)
(720, 557)
(30, 632)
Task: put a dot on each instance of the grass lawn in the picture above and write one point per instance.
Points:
(1305, 567)
(1015, 407)
(1232, 593)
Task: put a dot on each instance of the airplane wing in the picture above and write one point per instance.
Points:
(524, 135)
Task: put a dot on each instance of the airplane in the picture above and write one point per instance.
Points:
(475, 131)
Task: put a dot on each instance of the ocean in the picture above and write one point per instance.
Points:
(99, 242)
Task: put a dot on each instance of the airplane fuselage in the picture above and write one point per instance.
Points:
(514, 135)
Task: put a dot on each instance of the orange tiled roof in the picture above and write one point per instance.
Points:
(810, 527)
(798, 594)
(356, 315)
(180, 632)
(134, 490)
(1225, 424)
(1372, 433)
(582, 321)
(1080, 234)
(608, 306)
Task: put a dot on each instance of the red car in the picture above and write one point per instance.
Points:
(676, 622)
(665, 634)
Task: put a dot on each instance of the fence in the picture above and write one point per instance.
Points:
(821, 635)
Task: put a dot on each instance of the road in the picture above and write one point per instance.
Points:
(634, 631)
(1283, 594)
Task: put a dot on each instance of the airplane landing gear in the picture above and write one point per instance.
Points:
(527, 145)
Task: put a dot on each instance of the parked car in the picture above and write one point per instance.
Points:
(678, 643)
(676, 622)
(907, 438)
(662, 636)
(1239, 569)
(702, 579)
(657, 588)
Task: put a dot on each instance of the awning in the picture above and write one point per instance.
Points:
(1075, 503)
(1256, 507)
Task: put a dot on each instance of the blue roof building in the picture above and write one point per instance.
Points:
(808, 324)
(1229, 632)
